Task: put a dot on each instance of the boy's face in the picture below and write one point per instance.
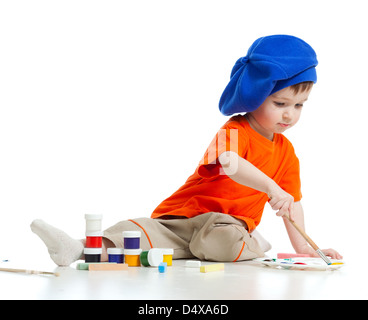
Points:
(279, 112)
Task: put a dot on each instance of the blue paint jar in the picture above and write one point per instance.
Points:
(132, 239)
(116, 255)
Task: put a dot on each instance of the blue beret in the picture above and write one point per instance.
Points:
(271, 64)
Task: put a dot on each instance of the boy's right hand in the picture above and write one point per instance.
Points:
(282, 201)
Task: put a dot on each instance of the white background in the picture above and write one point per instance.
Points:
(107, 107)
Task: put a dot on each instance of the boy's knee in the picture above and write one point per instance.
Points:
(224, 242)
(219, 244)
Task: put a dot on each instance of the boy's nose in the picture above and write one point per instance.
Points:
(286, 116)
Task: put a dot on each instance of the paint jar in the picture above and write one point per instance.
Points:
(93, 222)
(94, 239)
(152, 258)
(144, 259)
(92, 254)
(116, 255)
(132, 239)
(168, 255)
(132, 257)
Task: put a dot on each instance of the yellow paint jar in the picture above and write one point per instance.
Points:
(168, 255)
(132, 257)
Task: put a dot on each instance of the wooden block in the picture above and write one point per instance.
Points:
(82, 266)
(85, 265)
(108, 266)
(212, 267)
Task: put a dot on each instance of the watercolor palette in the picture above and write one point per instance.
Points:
(316, 264)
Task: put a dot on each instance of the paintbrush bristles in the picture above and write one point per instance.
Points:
(323, 256)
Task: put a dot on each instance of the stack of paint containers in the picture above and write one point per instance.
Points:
(93, 249)
(132, 248)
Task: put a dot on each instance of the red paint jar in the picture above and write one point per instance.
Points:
(94, 239)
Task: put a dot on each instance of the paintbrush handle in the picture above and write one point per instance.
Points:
(309, 240)
(28, 271)
(304, 235)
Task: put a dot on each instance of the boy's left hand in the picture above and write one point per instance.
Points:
(331, 253)
(328, 252)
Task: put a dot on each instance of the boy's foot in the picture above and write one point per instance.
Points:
(63, 249)
(262, 242)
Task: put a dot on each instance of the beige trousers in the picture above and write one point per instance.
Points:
(210, 236)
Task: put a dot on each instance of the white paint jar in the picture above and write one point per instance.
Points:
(93, 222)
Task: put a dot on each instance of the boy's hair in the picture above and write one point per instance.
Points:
(302, 86)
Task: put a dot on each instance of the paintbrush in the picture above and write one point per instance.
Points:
(309, 240)
(29, 271)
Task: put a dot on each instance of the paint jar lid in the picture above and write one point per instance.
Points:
(92, 250)
(132, 252)
(167, 251)
(94, 233)
(155, 257)
(115, 251)
(131, 234)
(93, 216)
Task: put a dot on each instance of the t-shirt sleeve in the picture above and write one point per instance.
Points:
(290, 181)
(231, 137)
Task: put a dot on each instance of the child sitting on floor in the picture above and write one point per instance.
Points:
(214, 215)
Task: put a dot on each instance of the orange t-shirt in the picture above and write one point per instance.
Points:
(209, 189)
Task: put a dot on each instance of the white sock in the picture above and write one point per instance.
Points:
(63, 249)
(262, 242)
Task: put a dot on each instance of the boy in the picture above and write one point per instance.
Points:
(213, 216)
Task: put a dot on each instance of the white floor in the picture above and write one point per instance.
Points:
(241, 280)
